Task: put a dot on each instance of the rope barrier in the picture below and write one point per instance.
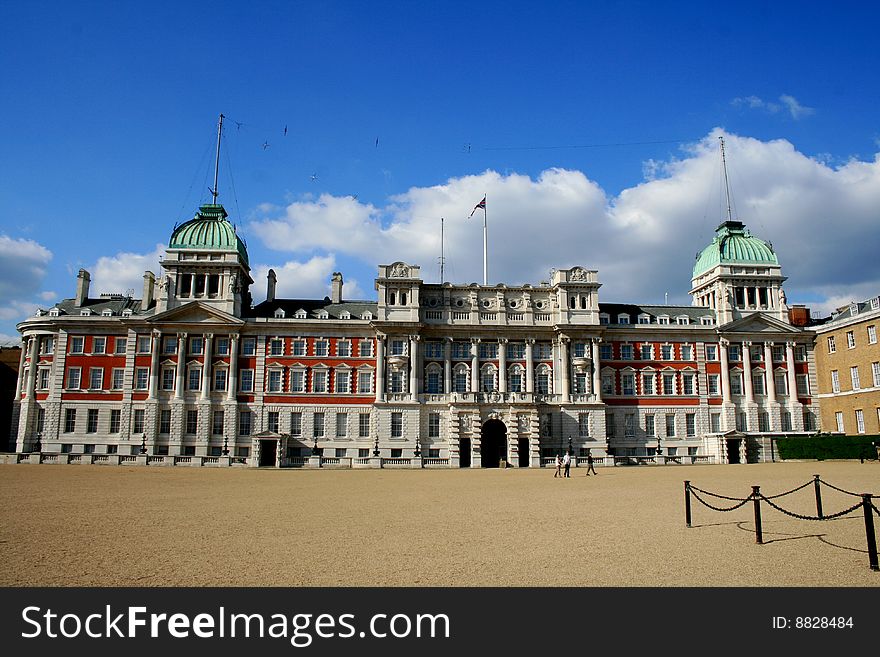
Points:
(721, 497)
(840, 489)
(715, 508)
(800, 517)
(793, 490)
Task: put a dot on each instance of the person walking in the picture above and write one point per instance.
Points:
(566, 461)
(558, 467)
(590, 467)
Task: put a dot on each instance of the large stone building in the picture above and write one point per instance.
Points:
(444, 374)
(848, 369)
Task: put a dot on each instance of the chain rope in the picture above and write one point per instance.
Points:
(829, 516)
(722, 497)
(716, 508)
(793, 490)
(846, 492)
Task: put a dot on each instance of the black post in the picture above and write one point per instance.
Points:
(818, 497)
(687, 503)
(869, 531)
(756, 497)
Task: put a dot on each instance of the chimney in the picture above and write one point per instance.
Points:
(82, 287)
(799, 315)
(149, 285)
(270, 288)
(336, 287)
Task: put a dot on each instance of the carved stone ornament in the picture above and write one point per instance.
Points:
(578, 274)
(399, 270)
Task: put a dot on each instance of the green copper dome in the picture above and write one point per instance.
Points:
(208, 230)
(734, 244)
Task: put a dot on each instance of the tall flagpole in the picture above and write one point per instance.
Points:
(485, 245)
(442, 259)
(214, 192)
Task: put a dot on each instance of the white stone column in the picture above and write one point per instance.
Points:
(725, 372)
(232, 382)
(413, 367)
(380, 368)
(447, 365)
(475, 365)
(206, 369)
(19, 383)
(32, 367)
(181, 365)
(768, 372)
(502, 365)
(597, 374)
(566, 368)
(530, 365)
(156, 337)
(792, 379)
(747, 372)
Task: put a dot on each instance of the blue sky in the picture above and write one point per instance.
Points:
(591, 126)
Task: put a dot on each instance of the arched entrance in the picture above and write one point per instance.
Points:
(493, 444)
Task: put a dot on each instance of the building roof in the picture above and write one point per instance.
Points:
(693, 313)
(734, 244)
(355, 309)
(115, 303)
(208, 230)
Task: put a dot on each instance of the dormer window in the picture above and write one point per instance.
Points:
(707, 321)
(644, 318)
(345, 315)
(323, 314)
(663, 319)
(623, 318)
(300, 314)
(107, 313)
(604, 318)
(54, 312)
(367, 315)
(279, 313)
(85, 313)
(682, 320)
(126, 312)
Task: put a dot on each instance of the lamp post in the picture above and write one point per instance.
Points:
(376, 447)
(37, 445)
(144, 444)
(315, 451)
(225, 445)
(570, 448)
(418, 452)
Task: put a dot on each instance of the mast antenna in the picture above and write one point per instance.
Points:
(442, 259)
(214, 191)
(726, 181)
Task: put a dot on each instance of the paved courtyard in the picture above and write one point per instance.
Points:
(142, 526)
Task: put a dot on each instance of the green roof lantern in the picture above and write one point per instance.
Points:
(208, 230)
(733, 244)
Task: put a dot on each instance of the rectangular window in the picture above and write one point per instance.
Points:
(319, 381)
(168, 378)
(741, 422)
(711, 352)
(245, 423)
(835, 381)
(297, 381)
(321, 348)
(460, 381)
(872, 334)
(646, 352)
(115, 420)
(92, 420)
(47, 346)
(670, 424)
(756, 353)
(43, 383)
(669, 384)
(170, 346)
(318, 425)
(397, 425)
(76, 345)
(800, 353)
(579, 349)
(119, 345)
(838, 416)
(736, 383)
(396, 382)
(141, 378)
(733, 352)
(831, 347)
(626, 352)
(688, 384)
(341, 425)
(69, 420)
(608, 384)
(341, 384)
(628, 384)
(786, 421)
(195, 378)
(275, 380)
(763, 421)
(583, 425)
(758, 383)
(116, 378)
(432, 382)
(276, 347)
(273, 421)
(366, 348)
(690, 424)
(341, 452)
(137, 424)
(542, 384)
(143, 344)
(809, 422)
(715, 422)
(650, 429)
(165, 421)
(714, 387)
(363, 425)
(687, 352)
(243, 452)
(96, 378)
(875, 372)
(580, 383)
(99, 345)
(543, 351)
(629, 425)
(299, 347)
(363, 452)
(192, 422)
(365, 382)
(488, 381)
(196, 345)
(488, 350)
(248, 346)
(217, 423)
(850, 340)
(854, 376)
(666, 352)
(222, 346)
(296, 424)
(781, 383)
(605, 352)
(343, 348)
(433, 350)
(246, 381)
(803, 385)
(220, 380)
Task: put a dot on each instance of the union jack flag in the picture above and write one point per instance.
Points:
(479, 206)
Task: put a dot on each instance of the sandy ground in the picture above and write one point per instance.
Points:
(72, 525)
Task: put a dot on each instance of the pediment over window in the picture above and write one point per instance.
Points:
(758, 323)
(195, 313)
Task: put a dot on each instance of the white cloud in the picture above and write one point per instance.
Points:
(23, 267)
(124, 271)
(786, 102)
(302, 280)
(643, 241)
